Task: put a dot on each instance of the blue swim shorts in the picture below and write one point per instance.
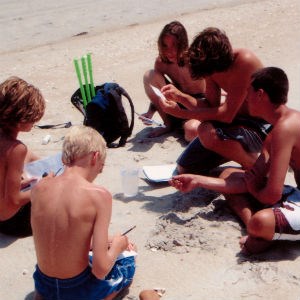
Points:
(85, 286)
(196, 159)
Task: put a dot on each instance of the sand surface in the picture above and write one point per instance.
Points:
(188, 244)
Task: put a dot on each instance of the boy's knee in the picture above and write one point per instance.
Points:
(147, 76)
(190, 129)
(37, 296)
(259, 223)
(207, 135)
(154, 77)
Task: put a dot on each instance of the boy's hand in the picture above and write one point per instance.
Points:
(120, 241)
(171, 92)
(45, 174)
(170, 107)
(25, 183)
(131, 247)
(184, 182)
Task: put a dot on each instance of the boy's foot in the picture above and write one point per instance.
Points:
(149, 295)
(158, 131)
(250, 245)
(147, 115)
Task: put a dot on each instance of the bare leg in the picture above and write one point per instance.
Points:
(156, 79)
(37, 296)
(240, 205)
(149, 295)
(191, 129)
(261, 229)
(232, 150)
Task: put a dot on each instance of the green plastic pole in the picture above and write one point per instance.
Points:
(90, 70)
(80, 82)
(87, 88)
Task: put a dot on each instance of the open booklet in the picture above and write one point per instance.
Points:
(38, 168)
(160, 173)
(124, 254)
(158, 92)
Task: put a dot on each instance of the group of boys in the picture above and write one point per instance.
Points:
(70, 215)
(251, 126)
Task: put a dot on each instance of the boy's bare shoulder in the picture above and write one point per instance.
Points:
(247, 60)
(98, 193)
(289, 123)
(13, 148)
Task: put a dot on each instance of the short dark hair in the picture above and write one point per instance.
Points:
(274, 82)
(177, 30)
(210, 52)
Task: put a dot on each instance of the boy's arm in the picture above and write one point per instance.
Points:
(105, 252)
(231, 184)
(281, 146)
(224, 112)
(13, 197)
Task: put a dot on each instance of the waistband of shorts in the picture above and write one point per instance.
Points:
(69, 282)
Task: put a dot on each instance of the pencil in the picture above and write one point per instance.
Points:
(127, 231)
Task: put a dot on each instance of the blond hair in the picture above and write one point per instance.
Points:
(20, 102)
(80, 141)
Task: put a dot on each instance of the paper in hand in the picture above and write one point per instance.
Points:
(48, 164)
(158, 92)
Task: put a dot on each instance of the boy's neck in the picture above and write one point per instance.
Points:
(9, 133)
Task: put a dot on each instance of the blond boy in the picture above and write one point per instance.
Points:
(70, 215)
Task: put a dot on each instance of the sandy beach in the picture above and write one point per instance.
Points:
(187, 243)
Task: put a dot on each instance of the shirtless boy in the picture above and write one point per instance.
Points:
(21, 105)
(71, 215)
(171, 62)
(269, 209)
(226, 132)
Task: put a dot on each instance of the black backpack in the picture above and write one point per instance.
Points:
(106, 113)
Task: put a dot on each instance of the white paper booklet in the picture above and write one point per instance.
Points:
(158, 92)
(48, 164)
(124, 254)
(160, 173)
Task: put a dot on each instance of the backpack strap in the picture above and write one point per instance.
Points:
(115, 88)
(122, 141)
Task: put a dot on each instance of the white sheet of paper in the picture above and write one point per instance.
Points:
(160, 173)
(124, 254)
(158, 92)
(48, 164)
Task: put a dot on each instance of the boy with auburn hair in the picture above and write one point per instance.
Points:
(70, 215)
(21, 105)
(227, 131)
(171, 64)
(269, 209)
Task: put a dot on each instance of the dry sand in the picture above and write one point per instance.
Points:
(188, 244)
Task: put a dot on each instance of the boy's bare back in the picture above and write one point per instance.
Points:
(11, 152)
(64, 211)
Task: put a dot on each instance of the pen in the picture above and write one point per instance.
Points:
(58, 171)
(46, 174)
(127, 231)
(151, 121)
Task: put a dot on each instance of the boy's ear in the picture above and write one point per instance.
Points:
(94, 158)
(260, 92)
